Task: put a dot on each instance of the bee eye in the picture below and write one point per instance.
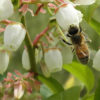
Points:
(73, 30)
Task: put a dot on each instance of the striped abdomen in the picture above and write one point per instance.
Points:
(82, 53)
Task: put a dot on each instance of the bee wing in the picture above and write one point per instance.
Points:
(82, 55)
(86, 38)
(82, 52)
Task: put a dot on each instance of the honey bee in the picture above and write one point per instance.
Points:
(79, 42)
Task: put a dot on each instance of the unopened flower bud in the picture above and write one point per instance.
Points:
(13, 36)
(96, 61)
(53, 60)
(67, 15)
(38, 55)
(18, 91)
(25, 60)
(4, 61)
(6, 9)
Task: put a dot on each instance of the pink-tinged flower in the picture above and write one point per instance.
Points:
(2, 29)
(51, 5)
(6, 9)
(19, 83)
(18, 91)
(67, 15)
(9, 77)
(46, 1)
(61, 1)
(24, 9)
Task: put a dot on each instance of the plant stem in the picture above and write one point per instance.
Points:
(30, 49)
(38, 10)
(40, 35)
(50, 12)
(62, 34)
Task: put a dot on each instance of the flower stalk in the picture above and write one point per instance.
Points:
(38, 10)
(30, 49)
(40, 35)
(62, 34)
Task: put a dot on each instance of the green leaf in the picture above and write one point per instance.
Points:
(82, 72)
(45, 91)
(90, 97)
(70, 94)
(97, 93)
(53, 84)
(95, 25)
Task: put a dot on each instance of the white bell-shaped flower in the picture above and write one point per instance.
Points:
(96, 61)
(53, 60)
(14, 35)
(4, 61)
(18, 91)
(25, 60)
(67, 15)
(84, 2)
(6, 9)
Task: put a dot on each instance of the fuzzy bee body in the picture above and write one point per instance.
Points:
(82, 53)
(80, 45)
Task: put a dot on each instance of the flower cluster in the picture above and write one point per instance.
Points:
(14, 33)
(47, 55)
(21, 84)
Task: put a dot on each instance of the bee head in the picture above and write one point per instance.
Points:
(73, 30)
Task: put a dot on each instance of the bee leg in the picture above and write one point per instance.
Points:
(88, 41)
(68, 35)
(73, 50)
(66, 42)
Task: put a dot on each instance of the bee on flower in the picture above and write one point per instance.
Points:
(67, 15)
